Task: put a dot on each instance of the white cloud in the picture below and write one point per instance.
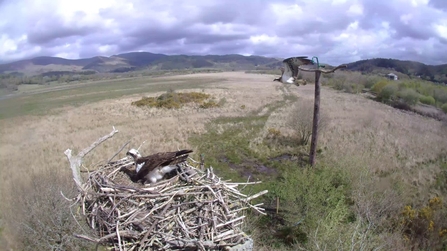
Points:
(337, 31)
(441, 28)
(355, 9)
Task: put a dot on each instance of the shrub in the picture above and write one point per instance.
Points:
(388, 92)
(302, 119)
(273, 133)
(371, 80)
(409, 96)
(444, 107)
(209, 104)
(377, 87)
(428, 100)
(440, 95)
(425, 227)
(312, 198)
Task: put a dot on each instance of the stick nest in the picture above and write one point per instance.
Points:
(193, 211)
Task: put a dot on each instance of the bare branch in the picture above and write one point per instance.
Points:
(96, 143)
(76, 161)
(118, 152)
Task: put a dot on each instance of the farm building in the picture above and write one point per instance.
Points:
(392, 76)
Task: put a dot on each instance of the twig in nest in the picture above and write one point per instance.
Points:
(200, 211)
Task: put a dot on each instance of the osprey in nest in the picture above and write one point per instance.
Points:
(154, 167)
(290, 69)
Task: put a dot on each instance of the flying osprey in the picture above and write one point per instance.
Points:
(152, 168)
(290, 69)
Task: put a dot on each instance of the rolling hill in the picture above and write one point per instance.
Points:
(151, 61)
(137, 61)
(434, 73)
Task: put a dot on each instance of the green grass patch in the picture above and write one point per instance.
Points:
(228, 144)
(310, 197)
(45, 100)
(174, 100)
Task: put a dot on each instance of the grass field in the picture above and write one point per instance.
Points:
(386, 158)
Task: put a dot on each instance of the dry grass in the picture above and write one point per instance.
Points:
(387, 141)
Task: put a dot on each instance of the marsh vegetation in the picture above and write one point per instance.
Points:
(379, 182)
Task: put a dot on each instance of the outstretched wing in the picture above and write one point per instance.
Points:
(160, 159)
(294, 62)
(286, 72)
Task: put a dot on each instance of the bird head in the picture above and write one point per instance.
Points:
(134, 153)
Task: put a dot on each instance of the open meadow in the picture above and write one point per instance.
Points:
(380, 181)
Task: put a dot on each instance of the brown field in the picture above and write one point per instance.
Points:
(387, 141)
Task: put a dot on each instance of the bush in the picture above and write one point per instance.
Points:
(409, 96)
(388, 92)
(440, 95)
(371, 80)
(444, 107)
(425, 227)
(377, 87)
(302, 120)
(428, 100)
(312, 198)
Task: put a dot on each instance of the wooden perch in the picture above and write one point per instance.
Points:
(76, 161)
(322, 70)
(316, 118)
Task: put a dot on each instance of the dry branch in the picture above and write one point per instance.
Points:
(322, 70)
(76, 161)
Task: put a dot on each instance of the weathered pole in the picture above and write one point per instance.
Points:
(316, 118)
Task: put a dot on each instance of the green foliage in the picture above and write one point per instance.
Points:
(314, 197)
(440, 95)
(173, 100)
(409, 96)
(441, 178)
(388, 92)
(343, 83)
(428, 100)
(377, 87)
(444, 107)
(371, 80)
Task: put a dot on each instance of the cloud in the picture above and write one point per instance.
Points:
(337, 31)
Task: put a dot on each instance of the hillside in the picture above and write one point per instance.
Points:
(137, 61)
(435, 73)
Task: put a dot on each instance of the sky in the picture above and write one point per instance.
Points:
(336, 31)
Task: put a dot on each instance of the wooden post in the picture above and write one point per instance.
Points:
(277, 205)
(316, 118)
